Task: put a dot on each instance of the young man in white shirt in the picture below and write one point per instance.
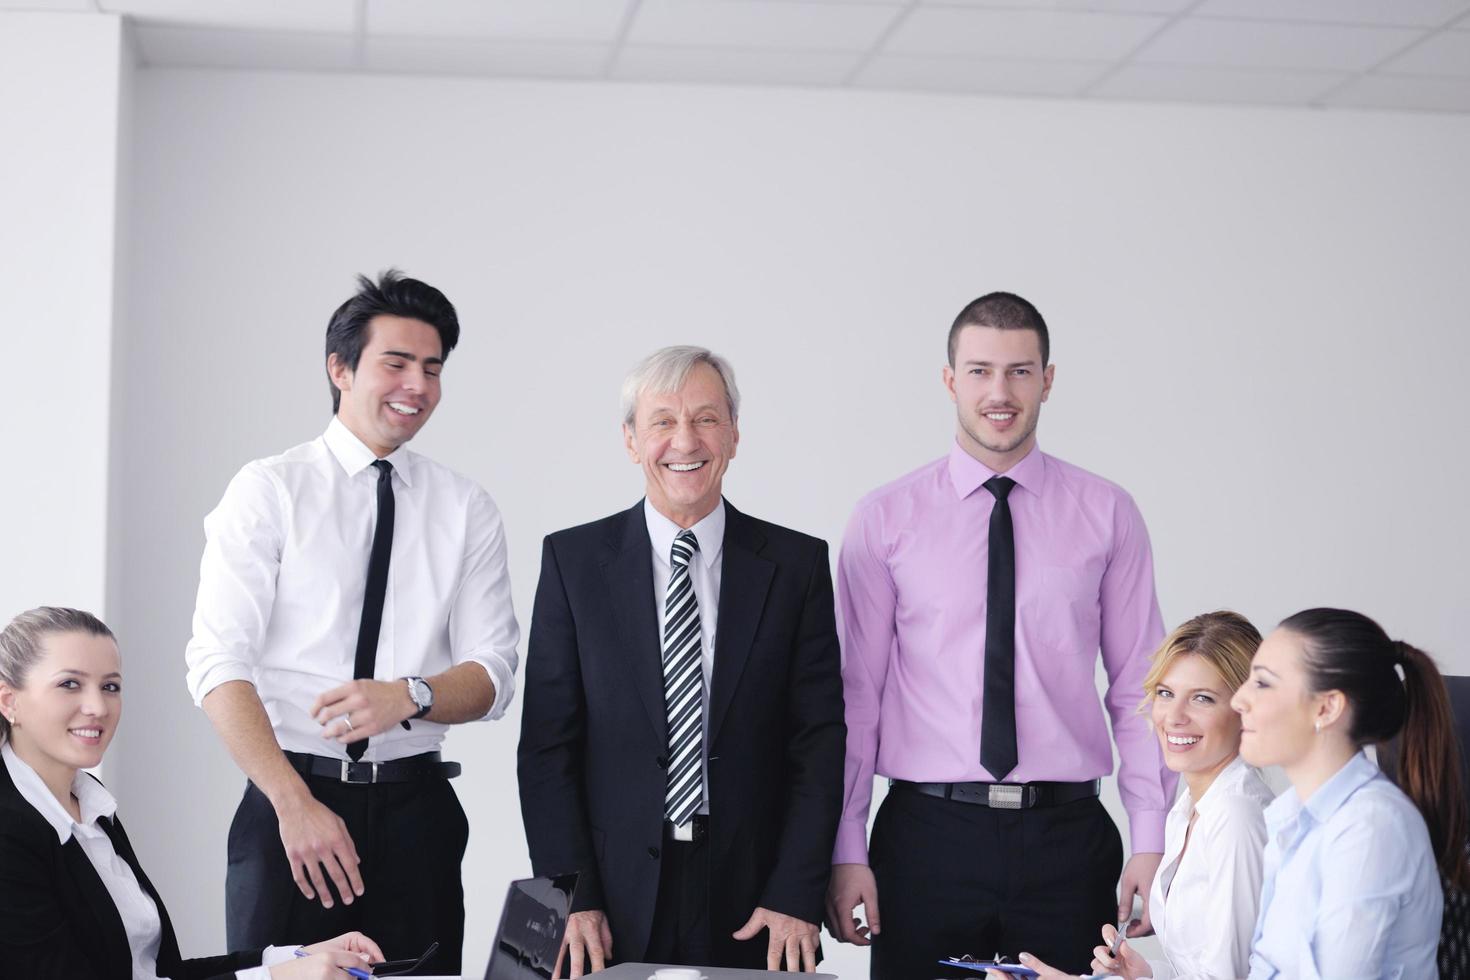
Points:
(354, 602)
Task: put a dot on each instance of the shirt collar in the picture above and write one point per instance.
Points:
(92, 796)
(355, 457)
(709, 532)
(1230, 779)
(1328, 798)
(968, 474)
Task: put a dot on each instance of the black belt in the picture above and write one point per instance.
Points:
(412, 769)
(1005, 796)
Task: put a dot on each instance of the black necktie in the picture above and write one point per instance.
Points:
(377, 587)
(998, 725)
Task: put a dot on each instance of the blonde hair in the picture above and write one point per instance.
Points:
(20, 643)
(1225, 640)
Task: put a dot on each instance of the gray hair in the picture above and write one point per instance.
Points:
(20, 643)
(667, 369)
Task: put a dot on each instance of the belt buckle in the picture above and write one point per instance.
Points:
(1006, 796)
(351, 770)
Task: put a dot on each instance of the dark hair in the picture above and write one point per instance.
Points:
(1003, 311)
(20, 642)
(1348, 652)
(394, 294)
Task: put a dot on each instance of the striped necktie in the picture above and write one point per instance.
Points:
(683, 686)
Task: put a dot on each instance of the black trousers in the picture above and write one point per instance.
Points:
(410, 838)
(681, 924)
(954, 878)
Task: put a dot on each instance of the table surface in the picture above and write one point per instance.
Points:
(641, 971)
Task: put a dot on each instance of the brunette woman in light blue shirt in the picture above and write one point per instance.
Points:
(1353, 861)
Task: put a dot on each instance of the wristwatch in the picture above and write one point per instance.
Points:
(422, 694)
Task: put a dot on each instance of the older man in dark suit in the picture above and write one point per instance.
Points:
(682, 739)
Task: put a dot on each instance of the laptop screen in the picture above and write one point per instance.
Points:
(532, 925)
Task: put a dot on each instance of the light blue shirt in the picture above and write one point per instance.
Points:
(1351, 886)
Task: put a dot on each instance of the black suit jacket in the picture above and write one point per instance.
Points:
(593, 738)
(57, 919)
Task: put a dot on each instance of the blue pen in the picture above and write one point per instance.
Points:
(351, 970)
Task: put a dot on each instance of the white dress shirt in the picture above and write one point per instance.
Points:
(1204, 898)
(1351, 886)
(704, 576)
(284, 572)
(138, 912)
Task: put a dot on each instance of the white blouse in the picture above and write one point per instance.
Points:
(1204, 900)
(138, 912)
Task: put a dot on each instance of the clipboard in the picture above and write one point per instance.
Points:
(980, 966)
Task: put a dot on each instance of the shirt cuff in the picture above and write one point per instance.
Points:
(213, 676)
(852, 843)
(1146, 831)
(273, 955)
(254, 973)
(503, 677)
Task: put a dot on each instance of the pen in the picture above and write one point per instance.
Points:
(1118, 939)
(1112, 951)
(351, 970)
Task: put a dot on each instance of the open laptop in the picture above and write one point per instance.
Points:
(532, 925)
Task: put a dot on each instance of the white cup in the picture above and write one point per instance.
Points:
(676, 973)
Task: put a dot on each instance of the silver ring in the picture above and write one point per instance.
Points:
(348, 718)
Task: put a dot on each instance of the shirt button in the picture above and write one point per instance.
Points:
(653, 853)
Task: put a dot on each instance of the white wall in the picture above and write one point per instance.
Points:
(62, 89)
(1258, 316)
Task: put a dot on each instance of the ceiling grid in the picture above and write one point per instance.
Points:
(1326, 54)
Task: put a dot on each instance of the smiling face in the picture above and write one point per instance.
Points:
(998, 383)
(1191, 713)
(684, 440)
(1277, 708)
(69, 704)
(396, 385)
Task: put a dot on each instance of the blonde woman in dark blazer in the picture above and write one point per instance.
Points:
(74, 901)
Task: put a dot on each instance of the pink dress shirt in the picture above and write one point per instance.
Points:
(911, 594)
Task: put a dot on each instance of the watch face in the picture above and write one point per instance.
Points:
(423, 694)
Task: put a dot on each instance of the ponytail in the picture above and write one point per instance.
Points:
(1394, 689)
(1428, 767)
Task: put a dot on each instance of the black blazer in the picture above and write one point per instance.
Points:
(57, 919)
(593, 739)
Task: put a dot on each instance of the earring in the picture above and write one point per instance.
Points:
(1317, 727)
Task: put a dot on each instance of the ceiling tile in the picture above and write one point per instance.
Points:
(1259, 44)
(263, 15)
(761, 24)
(51, 5)
(1446, 53)
(198, 47)
(1396, 92)
(1164, 83)
(991, 76)
(669, 64)
(1097, 6)
(1402, 13)
(1020, 34)
(443, 56)
(538, 20)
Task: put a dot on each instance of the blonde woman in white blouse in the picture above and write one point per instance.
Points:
(1205, 896)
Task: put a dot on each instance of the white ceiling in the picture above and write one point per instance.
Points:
(1389, 54)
